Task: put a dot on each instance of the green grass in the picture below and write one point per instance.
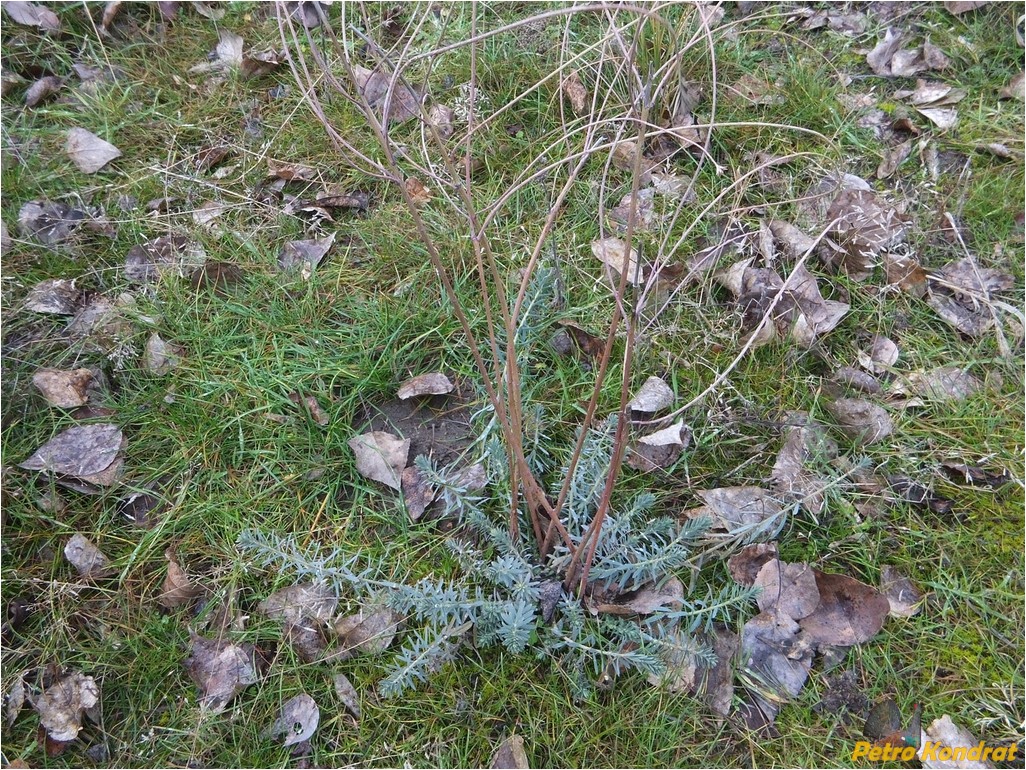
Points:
(373, 315)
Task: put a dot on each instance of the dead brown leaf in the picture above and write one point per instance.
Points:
(613, 252)
(849, 612)
(33, 15)
(440, 118)
(311, 406)
(861, 421)
(42, 90)
(643, 601)
(227, 55)
(418, 192)
(381, 457)
(943, 383)
(81, 451)
(88, 560)
(15, 698)
(882, 355)
(892, 158)
(403, 103)
(653, 396)
(291, 172)
(305, 255)
(510, 755)
(1016, 88)
(660, 449)
(736, 508)
(432, 384)
(796, 243)
(644, 212)
(864, 226)
(221, 669)
(368, 631)
(904, 598)
(575, 92)
(297, 722)
(257, 64)
(958, 7)
(906, 273)
(856, 379)
(347, 694)
(744, 565)
(178, 589)
(624, 154)
(418, 493)
(53, 222)
(771, 652)
(89, 152)
(164, 256)
(64, 389)
(588, 343)
(804, 440)
(160, 356)
(54, 296)
(64, 704)
(787, 588)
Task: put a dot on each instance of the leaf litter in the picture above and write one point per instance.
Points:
(221, 669)
(64, 389)
(63, 706)
(297, 722)
(89, 152)
(381, 457)
(88, 560)
(83, 451)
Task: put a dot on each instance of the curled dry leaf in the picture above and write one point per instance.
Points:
(368, 631)
(42, 90)
(796, 243)
(312, 407)
(304, 609)
(575, 92)
(653, 396)
(373, 85)
(510, 755)
(1016, 88)
(860, 420)
(14, 700)
(297, 721)
(744, 565)
(260, 63)
(849, 612)
(227, 54)
(205, 214)
(63, 705)
(613, 252)
(624, 154)
(892, 158)
(804, 440)
(904, 598)
(660, 449)
(418, 492)
(64, 389)
(882, 355)
(33, 15)
(81, 451)
(945, 733)
(856, 379)
(440, 117)
(167, 255)
(305, 254)
(944, 383)
(905, 272)
(644, 211)
(381, 456)
(291, 172)
(737, 508)
(178, 589)
(89, 152)
(88, 560)
(347, 694)
(787, 588)
(54, 296)
(773, 653)
(432, 384)
(419, 193)
(160, 356)
(221, 669)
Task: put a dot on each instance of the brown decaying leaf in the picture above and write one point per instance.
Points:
(291, 172)
(855, 379)
(588, 343)
(14, 699)
(373, 85)
(624, 154)
(943, 383)
(892, 158)
(301, 603)
(178, 589)
(347, 694)
(795, 242)
(210, 156)
(612, 251)
(945, 733)
(63, 389)
(54, 296)
(787, 588)
(369, 631)
(849, 612)
(771, 652)
(228, 54)
(882, 355)
(440, 118)
(660, 449)
(418, 493)
(50, 222)
(864, 226)
(744, 565)
(42, 90)
(714, 685)
(974, 475)
(80, 451)
(419, 193)
(63, 705)
(904, 598)
(218, 277)
(89, 152)
(888, 59)
(575, 92)
(221, 669)
(381, 456)
(297, 722)
(167, 255)
(644, 211)
(431, 384)
(260, 63)
(734, 508)
(643, 601)
(305, 254)
(958, 7)
(86, 558)
(860, 420)
(906, 273)
(654, 395)
(160, 356)
(311, 406)
(33, 15)
(1016, 88)
(510, 755)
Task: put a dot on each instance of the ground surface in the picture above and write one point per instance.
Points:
(224, 440)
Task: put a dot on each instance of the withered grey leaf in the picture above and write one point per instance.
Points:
(660, 449)
(849, 612)
(744, 565)
(653, 396)
(166, 255)
(14, 700)
(63, 389)
(369, 631)
(860, 420)
(879, 59)
(54, 296)
(856, 379)
(734, 508)
(221, 669)
(965, 275)
(381, 457)
(42, 90)
(260, 63)
(86, 558)
(347, 694)
(305, 254)
(228, 54)
(63, 705)
(971, 319)
(418, 493)
(374, 86)
(33, 15)
(178, 589)
(772, 652)
(89, 152)
(944, 383)
(788, 588)
(645, 214)
(715, 685)
(904, 598)
(818, 315)
(945, 733)
(432, 384)
(892, 158)
(612, 251)
(958, 7)
(864, 226)
(441, 117)
(882, 355)
(510, 755)
(79, 451)
(795, 242)
(1016, 88)
(645, 600)
(297, 722)
(49, 222)
(301, 603)
(160, 356)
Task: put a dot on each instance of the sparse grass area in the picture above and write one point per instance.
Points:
(372, 315)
